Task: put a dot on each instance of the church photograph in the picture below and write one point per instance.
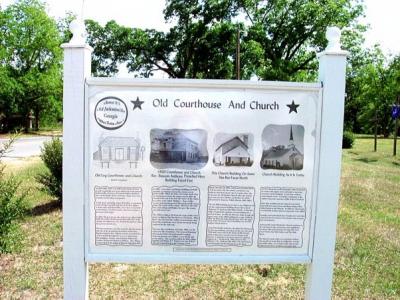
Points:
(233, 150)
(283, 147)
(178, 148)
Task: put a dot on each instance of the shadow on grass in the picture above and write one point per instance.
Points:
(396, 163)
(46, 208)
(354, 152)
(366, 160)
(370, 137)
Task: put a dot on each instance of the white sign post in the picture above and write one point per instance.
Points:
(332, 70)
(77, 67)
(155, 172)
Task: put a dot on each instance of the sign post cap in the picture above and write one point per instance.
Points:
(78, 30)
(333, 35)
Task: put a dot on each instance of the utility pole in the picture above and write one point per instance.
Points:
(238, 53)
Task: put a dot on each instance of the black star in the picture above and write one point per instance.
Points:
(293, 107)
(137, 103)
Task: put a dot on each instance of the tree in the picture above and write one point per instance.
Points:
(358, 58)
(390, 92)
(191, 50)
(290, 32)
(278, 42)
(372, 87)
(110, 46)
(31, 61)
(200, 45)
(372, 95)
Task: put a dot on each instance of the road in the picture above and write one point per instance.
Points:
(25, 147)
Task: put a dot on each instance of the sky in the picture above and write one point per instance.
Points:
(276, 135)
(382, 15)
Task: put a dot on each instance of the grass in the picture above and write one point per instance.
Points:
(50, 131)
(367, 259)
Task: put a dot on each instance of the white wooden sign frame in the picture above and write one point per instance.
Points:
(77, 60)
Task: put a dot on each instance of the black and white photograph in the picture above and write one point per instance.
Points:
(283, 147)
(178, 148)
(233, 149)
(119, 152)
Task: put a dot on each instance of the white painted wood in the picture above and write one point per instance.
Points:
(332, 69)
(77, 61)
(315, 172)
(78, 30)
(213, 83)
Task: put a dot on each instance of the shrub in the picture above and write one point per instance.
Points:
(52, 158)
(348, 140)
(12, 206)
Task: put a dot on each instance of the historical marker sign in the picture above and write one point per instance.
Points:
(200, 168)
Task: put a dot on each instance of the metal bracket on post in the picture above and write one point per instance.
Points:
(332, 70)
(77, 61)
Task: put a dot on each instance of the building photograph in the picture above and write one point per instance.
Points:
(115, 151)
(233, 149)
(283, 147)
(178, 148)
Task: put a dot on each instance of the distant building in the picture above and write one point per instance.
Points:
(234, 152)
(119, 149)
(174, 147)
(281, 157)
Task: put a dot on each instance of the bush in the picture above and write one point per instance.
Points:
(348, 140)
(12, 206)
(52, 158)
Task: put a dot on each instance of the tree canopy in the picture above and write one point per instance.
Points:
(290, 32)
(371, 93)
(30, 61)
(278, 41)
(278, 38)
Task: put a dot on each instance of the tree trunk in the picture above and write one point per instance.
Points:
(37, 113)
(36, 121)
(27, 123)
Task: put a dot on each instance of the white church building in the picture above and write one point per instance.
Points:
(283, 157)
(234, 152)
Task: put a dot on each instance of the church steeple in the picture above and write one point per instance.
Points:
(291, 141)
(291, 134)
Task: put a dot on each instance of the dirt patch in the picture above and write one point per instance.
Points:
(6, 262)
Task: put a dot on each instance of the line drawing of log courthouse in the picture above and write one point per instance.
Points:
(119, 150)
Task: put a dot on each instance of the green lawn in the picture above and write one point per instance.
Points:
(44, 131)
(367, 261)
